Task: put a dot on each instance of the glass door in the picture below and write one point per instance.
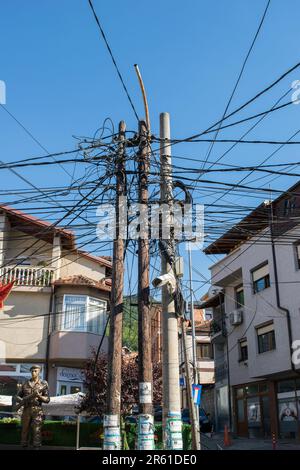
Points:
(266, 418)
(242, 428)
(66, 388)
(254, 417)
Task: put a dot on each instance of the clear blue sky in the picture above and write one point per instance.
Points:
(61, 82)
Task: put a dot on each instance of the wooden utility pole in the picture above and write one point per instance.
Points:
(145, 430)
(112, 435)
(172, 424)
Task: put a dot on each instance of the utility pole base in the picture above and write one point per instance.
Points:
(146, 432)
(112, 434)
(173, 432)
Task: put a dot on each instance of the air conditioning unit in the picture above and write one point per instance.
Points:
(236, 317)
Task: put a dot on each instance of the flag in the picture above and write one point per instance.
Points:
(197, 390)
(4, 292)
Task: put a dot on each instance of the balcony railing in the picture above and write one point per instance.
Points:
(33, 276)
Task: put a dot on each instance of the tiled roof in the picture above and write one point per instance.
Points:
(103, 260)
(256, 221)
(37, 227)
(79, 280)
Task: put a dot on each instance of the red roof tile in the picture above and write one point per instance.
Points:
(79, 280)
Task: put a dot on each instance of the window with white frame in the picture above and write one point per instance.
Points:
(261, 278)
(83, 313)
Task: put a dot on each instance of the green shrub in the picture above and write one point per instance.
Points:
(63, 433)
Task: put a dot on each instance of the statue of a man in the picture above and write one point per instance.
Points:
(32, 394)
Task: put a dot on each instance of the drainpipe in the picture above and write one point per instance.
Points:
(227, 354)
(279, 306)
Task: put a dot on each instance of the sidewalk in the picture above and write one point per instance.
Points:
(239, 443)
(18, 447)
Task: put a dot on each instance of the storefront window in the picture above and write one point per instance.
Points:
(286, 386)
(252, 389)
(263, 388)
(8, 368)
(288, 408)
(63, 390)
(288, 417)
(12, 376)
(239, 392)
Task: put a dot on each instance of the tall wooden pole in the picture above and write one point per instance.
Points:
(112, 435)
(145, 429)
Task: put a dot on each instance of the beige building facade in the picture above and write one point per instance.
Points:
(57, 310)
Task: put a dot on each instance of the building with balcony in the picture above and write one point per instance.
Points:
(256, 320)
(204, 352)
(204, 360)
(57, 310)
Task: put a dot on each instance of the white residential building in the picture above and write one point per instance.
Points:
(255, 297)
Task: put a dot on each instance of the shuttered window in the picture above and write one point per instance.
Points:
(266, 338)
(243, 350)
(261, 278)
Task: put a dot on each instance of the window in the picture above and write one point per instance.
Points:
(286, 386)
(261, 278)
(239, 296)
(251, 389)
(13, 375)
(208, 314)
(83, 313)
(297, 248)
(243, 350)
(266, 338)
(204, 351)
(289, 206)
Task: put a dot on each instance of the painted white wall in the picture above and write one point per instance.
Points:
(235, 269)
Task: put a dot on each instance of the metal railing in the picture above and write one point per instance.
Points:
(33, 276)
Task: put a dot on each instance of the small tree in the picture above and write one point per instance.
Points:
(96, 376)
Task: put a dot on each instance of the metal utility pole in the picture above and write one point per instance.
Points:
(172, 424)
(146, 423)
(112, 435)
(195, 368)
(192, 409)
